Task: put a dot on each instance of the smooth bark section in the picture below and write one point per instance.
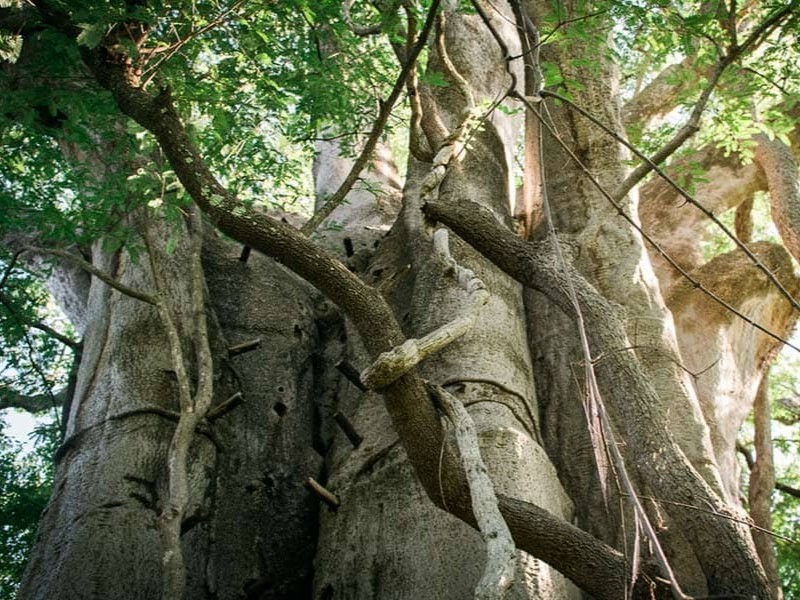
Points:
(723, 547)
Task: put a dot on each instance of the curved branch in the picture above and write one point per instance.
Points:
(104, 277)
(790, 205)
(650, 240)
(729, 566)
(692, 124)
(783, 181)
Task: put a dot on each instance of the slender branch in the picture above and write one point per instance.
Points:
(23, 320)
(377, 129)
(781, 487)
(34, 404)
(150, 72)
(498, 575)
(10, 267)
(104, 277)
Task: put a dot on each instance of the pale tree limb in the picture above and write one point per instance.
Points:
(658, 97)
(498, 575)
(650, 240)
(193, 408)
(692, 124)
(731, 183)
(783, 181)
(723, 548)
(686, 196)
(360, 30)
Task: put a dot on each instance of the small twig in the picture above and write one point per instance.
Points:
(149, 73)
(351, 373)
(781, 487)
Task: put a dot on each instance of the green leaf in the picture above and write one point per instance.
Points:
(91, 34)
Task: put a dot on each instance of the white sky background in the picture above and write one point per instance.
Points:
(20, 426)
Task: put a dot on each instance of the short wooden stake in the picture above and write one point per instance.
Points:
(347, 427)
(245, 254)
(222, 409)
(353, 376)
(244, 347)
(324, 494)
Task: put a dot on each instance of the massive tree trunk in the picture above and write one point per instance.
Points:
(675, 373)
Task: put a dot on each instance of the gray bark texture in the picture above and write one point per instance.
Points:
(675, 373)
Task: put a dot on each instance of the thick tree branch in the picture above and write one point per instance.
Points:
(787, 207)
(783, 180)
(658, 98)
(722, 547)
